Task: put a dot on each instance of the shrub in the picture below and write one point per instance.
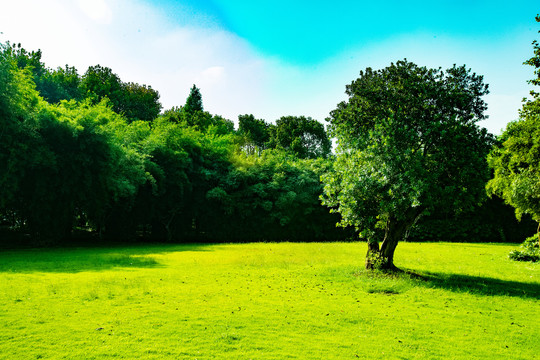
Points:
(528, 251)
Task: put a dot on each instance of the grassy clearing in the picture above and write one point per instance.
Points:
(267, 301)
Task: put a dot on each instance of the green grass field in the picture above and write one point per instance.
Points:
(267, 301)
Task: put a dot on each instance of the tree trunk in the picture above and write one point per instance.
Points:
(372, 255)
(396, 230)
(538, 233)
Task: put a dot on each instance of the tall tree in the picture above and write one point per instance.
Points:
(194, 101)
(516, 160)
(407, 143)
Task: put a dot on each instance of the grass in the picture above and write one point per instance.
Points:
(267, 301)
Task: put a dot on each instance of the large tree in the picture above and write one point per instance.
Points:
(408, 143)
(516, 161)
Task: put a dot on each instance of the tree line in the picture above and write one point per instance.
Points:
(91, 154)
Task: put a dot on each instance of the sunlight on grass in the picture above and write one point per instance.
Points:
(268, 301)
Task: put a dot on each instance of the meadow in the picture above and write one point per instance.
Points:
(267, 301)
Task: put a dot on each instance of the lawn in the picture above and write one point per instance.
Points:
(267, 301)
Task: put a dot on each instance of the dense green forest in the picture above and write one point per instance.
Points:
(93, 157)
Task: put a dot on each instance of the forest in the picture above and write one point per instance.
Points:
(90, 157)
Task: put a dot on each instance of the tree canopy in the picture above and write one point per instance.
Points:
(408, 143)
(92, 154)
(302, 136)
(516, 158)
(103, 160)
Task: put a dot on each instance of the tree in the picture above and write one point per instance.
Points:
(256, 133)
(516, 159)
(408, 143)
(194, 101)
(99, 82)
(52, 85)
(60, 84)
(304, 137)
(139, 102)
(134, 101)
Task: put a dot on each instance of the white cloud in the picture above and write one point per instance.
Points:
(97, 10)
(213, 74)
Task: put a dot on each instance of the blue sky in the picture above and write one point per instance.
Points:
(275, 58)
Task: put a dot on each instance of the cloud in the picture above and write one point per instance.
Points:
(213, 74)
(97, 10)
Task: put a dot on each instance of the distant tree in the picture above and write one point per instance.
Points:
(139, 102)
(24, 59)
(52, 85)
(271, 197)
(408, 143)
(61, 84)
(304, 137)
(255, 133)
(134, 101)
(194, 101)
(516, 159)
(99, 82)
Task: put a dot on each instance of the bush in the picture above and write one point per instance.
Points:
(528, 251)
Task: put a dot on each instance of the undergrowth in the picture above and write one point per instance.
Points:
(528, 251)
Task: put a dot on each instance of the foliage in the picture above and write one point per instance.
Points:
(139, 102)
(177, 178)
(255, 133)
(194, 101)
(535, 61)
(134, 101)
(271, 198)
(407, 145)
(304, 137)
(516, 158)
(528, 251)
(88, 164)
(52, 85)
(516, 163)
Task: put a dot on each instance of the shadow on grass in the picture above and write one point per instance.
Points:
(79, 259)
(478, 285)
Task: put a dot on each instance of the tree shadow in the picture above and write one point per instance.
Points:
(477, 285)
(71, 259)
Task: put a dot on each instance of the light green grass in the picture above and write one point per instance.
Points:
(267, 301)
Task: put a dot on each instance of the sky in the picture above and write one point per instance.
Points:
(278, 58)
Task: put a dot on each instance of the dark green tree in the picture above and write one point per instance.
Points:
(408, 143)
(255, 133)
(304, 137)
(516, 159)
(61, 84)
(99, 82)
(134, 101)
(139, 102)
(194, 101)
